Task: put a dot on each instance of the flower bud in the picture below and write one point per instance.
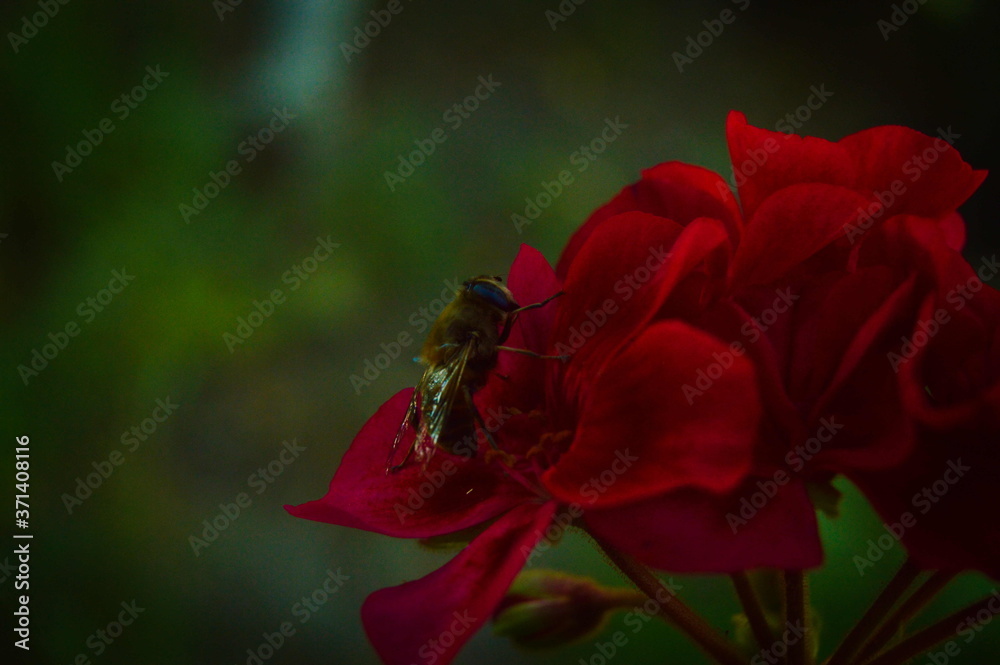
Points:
(545, 608)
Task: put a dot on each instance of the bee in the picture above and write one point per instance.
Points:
(459, 353)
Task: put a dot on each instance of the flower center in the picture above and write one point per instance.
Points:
(526, 468)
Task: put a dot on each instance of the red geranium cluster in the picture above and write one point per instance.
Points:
(726, 359)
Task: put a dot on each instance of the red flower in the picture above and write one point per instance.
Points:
(613, 457)
(439, 613)
(808, 281)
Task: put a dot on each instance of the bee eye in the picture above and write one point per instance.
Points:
(498, 278)
(494, 295)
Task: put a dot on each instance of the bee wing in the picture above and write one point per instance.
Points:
(444, 385)
(409, 419)
(429, 407)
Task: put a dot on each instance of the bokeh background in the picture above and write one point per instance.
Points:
(230, 65)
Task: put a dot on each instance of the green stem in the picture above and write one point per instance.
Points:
(899, 619)
(621, 599)
(753, 610)
(933, 635)
(876, 613)
(672, 609)
(796, 602)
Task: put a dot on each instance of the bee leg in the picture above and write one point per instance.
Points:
(539, 304)
(508, 325)
(512, 316)
(526, 352)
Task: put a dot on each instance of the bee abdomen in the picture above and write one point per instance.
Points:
(458, 436)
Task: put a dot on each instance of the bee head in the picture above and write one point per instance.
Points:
(491, 290)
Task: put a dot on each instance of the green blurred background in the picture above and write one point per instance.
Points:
(229, 66)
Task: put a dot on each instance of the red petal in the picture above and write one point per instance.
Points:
(862, 392)
(930, 174)
(953, 377)
(684, 193)
(949, 357)
(765, 161)
(837, 321)
(829, 353)
(906, 170)
(765, 350)
(953, 228)
(430, 619)
(673, 190)
(790, 226)
(621, 278)
(531, 280)
(642, 407)
(693, 532)
(449, 495)
(876, 434)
